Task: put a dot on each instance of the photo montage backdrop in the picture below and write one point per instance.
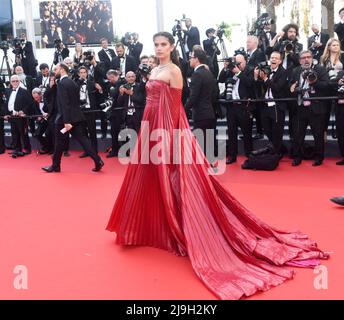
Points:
(85, 21)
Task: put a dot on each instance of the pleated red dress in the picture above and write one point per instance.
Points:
(183, 209)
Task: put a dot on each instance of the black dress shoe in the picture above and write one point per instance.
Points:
(231, 160)
(258, 136)
(317, 163)
(296, 162)
(98, 166)
(42, 152)
(26, 152)
(338, 200)
(17, 154)
(51, 169)
(84, 155)
(340, 163)
(66, 154)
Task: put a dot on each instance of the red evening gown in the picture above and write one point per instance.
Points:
(183, 209)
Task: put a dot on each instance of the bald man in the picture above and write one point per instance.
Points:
(317, 42)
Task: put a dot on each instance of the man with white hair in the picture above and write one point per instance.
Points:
(254, 55)
(19, 104)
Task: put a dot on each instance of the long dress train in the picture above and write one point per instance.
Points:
(183, 209)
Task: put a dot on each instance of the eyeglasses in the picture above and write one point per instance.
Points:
(15, 81)
(306, 57)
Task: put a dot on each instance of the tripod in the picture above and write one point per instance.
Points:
(223, 49)
(182, 45)
(5, 60)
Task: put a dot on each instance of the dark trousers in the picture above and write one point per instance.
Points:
(2, 136)
(306, 117)
(19, 132)
(61, 141)
(117, 123)
(44, 135)
(340, 127)
(91, 129)
(239, 116)
(273, 120)
(204, 125)
(103, 123)
(257, 115)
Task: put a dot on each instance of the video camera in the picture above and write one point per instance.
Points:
(177, 29)
(57, 44)
(4, 45)
(263, 21)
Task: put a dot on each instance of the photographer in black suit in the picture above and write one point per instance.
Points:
(105, 54)
(61, 52)
(212, 51)
(191, 36)
(69, 118)
(203, 94)
(317, 42)
(239, 114)
(135, 47)
(87, 88)
(19, 104)
(123, 62)
(274, 81)
(339, 28)
(309, 81)
(28, 60)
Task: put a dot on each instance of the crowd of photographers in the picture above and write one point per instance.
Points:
(274, 76)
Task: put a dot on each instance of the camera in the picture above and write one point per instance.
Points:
(127, 86)
(89, 55)
(57, 43)
(4, 45)
(18, 43)
(231, 63)
(177, 28)
(229, 88)
(220, 32)
(263, 21)
(287, 45)
(264, 67)
(310, 75)
(144, 69)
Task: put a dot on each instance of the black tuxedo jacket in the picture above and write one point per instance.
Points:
(320, 89)
(68, 102)
(278, 85)
(135, 51)
(138, 98)
(324, 37)
(257, 57)
(130, 64)
(50, 101)
(192, 38)
(104, 58)
(202, 95)
(23, 102)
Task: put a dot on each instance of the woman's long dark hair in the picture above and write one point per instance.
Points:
(170, 38)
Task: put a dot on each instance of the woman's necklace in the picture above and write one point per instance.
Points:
(160, 67)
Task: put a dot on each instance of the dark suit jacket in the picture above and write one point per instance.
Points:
(257, 57)
(193, 37)
(339, 29)
(278, 85)
(202, 95)
(29, 62)
(135, 51)
(130, 64)
(321, 88)
(264, 42)
(91, 89)
(50, 101)
(23, 102)
(138, 98)
(104, 58)
(324, 37)
(68, 102)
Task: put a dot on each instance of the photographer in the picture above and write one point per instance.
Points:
(274, 81)
(87, 90)
(287, 43)
(72, 73)
(191, 36)
(339, 28)
(317, 42)
(25, 57)
(123, 62)
(61, 52)
(117, 116)
(42, 134)
(42, 80)
(308, 81)
(105, 54)
(239, 114)
(212, 51)
(262, 30)
(2, 113)
(132, 98)
(135, 47)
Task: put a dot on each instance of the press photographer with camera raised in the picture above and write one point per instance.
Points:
(117, 115)
(212, 50)
(135, 47)
(287, 43)
(308, 81)
(132, 98)
(317, 42)
(273, 79)
(239, 114)
(88, 90)
(61, 52)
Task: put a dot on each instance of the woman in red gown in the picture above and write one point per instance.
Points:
(182, 209)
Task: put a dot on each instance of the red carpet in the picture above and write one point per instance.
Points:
(54, 224)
